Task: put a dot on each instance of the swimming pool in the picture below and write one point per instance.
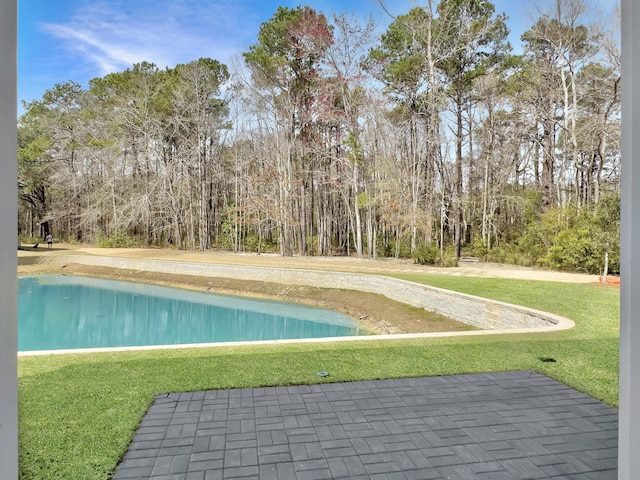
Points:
(73, 312)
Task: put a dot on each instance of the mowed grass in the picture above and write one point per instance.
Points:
(78, 413)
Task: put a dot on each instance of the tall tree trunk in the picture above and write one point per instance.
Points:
(416, 178)
(548, 159)
(358, 227)
(562, 180)
(602, 149)
(432, 134)
(457, 227)
(485, 199)
(203, 227)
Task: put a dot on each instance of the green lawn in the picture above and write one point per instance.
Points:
(79, 412)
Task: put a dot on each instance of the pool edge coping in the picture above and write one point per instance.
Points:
(364, 338)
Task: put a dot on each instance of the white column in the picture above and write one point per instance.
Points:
(629, 421)
(8, 242)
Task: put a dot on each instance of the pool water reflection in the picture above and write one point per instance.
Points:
(73, 312)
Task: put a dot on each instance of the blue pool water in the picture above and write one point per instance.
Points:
(68, 312)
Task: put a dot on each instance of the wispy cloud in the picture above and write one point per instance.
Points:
(113, 36)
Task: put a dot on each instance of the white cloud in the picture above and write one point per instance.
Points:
(113, 36)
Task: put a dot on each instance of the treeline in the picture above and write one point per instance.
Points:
(433, 140)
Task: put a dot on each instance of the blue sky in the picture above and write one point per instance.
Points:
(82, 39)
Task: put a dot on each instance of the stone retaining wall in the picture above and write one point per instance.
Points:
(479, 312)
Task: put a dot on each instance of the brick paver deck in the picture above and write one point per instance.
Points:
(514, 425)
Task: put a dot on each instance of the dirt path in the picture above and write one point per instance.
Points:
(342, 264)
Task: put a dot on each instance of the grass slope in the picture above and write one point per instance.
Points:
(78, 413)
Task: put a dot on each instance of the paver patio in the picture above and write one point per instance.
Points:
(513, 425)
